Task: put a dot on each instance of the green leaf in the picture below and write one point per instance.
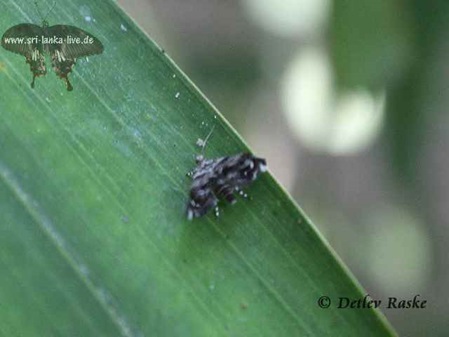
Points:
(93, 235)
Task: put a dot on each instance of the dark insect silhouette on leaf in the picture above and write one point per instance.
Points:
(33, 41)
(220, 178)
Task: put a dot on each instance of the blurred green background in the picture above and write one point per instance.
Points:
(347, 101)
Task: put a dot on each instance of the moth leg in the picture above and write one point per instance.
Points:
(217, 211)
(241, 193)
(226, 192)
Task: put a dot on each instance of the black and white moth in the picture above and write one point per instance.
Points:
(220, 178)
(63, 43)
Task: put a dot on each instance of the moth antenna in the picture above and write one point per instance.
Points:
(206, 139)
(38, 10)
(48, 13)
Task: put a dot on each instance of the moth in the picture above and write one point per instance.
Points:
(63, 43)
(220, 178)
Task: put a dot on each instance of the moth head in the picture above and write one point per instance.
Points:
(253, 166)
(44, 21)
(262, 164)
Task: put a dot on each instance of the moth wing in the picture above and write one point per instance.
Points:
(89, 44)
(64, 55)
(240, 170)
(27, 32)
